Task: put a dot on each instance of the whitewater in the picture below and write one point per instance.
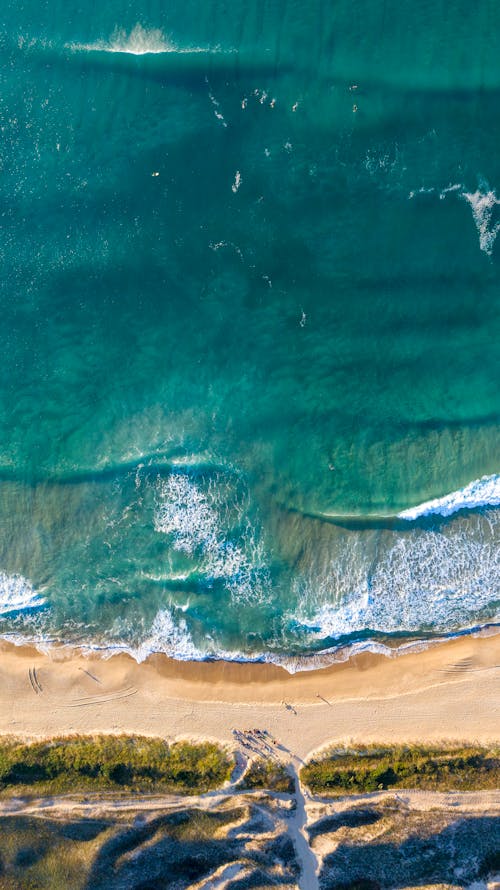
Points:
(425, 586)
(484, 492)
(139, 41)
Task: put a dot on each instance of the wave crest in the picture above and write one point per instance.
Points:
(482, 205)
(139, 42)
(483, 492)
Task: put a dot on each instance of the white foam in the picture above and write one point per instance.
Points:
(139, 42)
(193, 517)
(420, 191)
(17, 594)
(218, 245)
(169, 638)
(237, 182)
(484, 492)
(482, 205)
(425, 581)
(184, 512)
(452, 187)
(340, 654)
(166, 636)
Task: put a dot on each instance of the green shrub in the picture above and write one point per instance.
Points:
(269, 775)
(135, 763)
(372, 768)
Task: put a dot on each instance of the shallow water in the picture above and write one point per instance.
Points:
(250, 317)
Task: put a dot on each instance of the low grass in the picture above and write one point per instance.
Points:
(372, 768)
(196, 825)
(110, 763)
(40, 854)
(58, 854)
(268, 775)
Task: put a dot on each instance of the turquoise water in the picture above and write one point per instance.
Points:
(250, 315)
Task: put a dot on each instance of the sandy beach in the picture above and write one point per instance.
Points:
(447, 692)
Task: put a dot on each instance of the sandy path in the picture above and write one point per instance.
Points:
(297, 825)
(94, 805)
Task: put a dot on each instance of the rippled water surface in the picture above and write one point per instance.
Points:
(249, 396)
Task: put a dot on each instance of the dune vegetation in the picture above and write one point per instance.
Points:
(269, 775)
(111, 763)
(376, 768)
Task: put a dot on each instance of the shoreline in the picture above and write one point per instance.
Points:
(292, 663)
(446, 692)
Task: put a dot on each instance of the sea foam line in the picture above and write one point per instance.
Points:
(189, 652)
(483, 492)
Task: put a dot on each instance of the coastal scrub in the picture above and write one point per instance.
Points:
(108, 762)
(375, 768)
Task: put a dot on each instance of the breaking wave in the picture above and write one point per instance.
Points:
(482, 205)
(138, 42)
(175, 641)
(484, 492)
(424, 583)
(208, 522)
(18, 594)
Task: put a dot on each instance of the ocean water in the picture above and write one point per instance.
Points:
(249, 397)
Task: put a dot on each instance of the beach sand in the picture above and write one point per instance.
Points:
(447, 692)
